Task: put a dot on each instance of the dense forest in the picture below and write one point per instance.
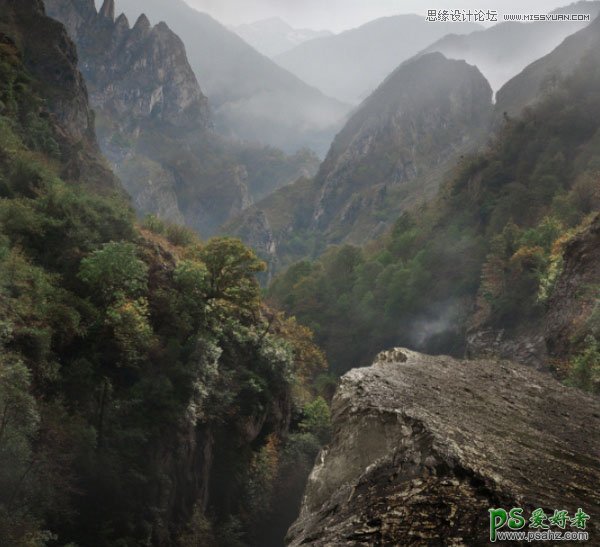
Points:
(486, 251)
(139, 368)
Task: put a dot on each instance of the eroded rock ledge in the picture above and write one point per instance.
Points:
(423, 446)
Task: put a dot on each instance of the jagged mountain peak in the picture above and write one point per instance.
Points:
(137, 73)
(161, 26)
(142, 23)
(253, 99)
(108, 9)
(122, 21)
(155, 127)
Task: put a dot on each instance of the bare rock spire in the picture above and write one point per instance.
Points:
(122, 22)
(142, 24)
(108, 9)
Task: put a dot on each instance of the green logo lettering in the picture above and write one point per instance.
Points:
(498, 518)
(516, 520)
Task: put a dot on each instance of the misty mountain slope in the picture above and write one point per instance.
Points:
(352, 64)
(504, 50)
(391, 155)
(153, 123)
(425, 112)
(252, 97)
(540, 77)
(504, 261)
(274, 36)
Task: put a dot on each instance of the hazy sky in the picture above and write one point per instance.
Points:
(339, 15)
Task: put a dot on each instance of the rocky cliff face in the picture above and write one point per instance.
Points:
(554, 338)
(140, 82)
(133, 73)
(253, 98)
(550, 341)
(424, 446)
(525, 345)
(51, 57)
(154, 123)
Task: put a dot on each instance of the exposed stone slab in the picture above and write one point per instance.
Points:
(423, 446)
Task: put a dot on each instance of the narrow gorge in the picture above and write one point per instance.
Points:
(237, 312)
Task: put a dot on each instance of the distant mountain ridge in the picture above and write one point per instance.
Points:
(376, 167)
(274, 36)
(252, 97)
(350, 65)
(542, 75)
(505, 49)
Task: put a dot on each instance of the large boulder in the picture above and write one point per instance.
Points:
(424, 446)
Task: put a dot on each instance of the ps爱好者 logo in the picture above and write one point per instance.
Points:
(512, 525)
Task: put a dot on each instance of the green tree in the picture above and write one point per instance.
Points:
(317, 419)
(232, 269)
(129, 320)
(585, 370)
(115, 271)
(19, 423)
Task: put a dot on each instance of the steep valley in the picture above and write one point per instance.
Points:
(474, 269)
(165, 385)
(391, 156)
